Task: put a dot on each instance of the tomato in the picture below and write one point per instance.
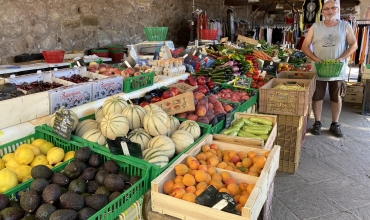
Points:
(249, 75)
(255, 77)
(256, 72)
(261, 83)
(260, 78)
(254, 85)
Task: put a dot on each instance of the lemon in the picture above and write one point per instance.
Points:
(24, 155)
(38, 142)
(50, 166)
(58, 164)
(24, 173)
(8, 179)
(45, 147)
(39, 160)
(35, 149)
(8, 157)
(55, 155)
(12, 164)
(69, 155)
(2, 164)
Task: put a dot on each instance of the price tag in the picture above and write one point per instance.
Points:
(228, 120)
(242, 82)
(286, 59)
(258, 45)
(270, 67)
(220, 205)
(224, 39)
(125, 148)
(63, 124)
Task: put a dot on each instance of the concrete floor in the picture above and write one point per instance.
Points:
(333, 178)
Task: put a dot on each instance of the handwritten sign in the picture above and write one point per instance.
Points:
(63, 124)
(242, 82)
(270, 67)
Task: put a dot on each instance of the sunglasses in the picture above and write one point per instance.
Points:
(332, 8)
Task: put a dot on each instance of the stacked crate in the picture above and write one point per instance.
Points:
(292, 108)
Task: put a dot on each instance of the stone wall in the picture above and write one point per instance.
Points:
(30, 26)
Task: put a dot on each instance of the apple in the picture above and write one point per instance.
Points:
(168, 94)
(174, 90)
(201, 80)
(202, 89)
(211, 85)
(155, 99)
(144, 103)
(193, 82)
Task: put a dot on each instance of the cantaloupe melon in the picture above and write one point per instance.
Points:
(86, 125)
(73, 116)
(174, 125)
(135, 115)
(99, 114)
(114, 125)
(140, 136)
(156, 123)
(155, 156)
(182, 139)
(163, 143)
(95, 135)
(114, 104)
(151, 107)
(192, 127)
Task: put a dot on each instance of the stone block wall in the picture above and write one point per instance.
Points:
(30, 26)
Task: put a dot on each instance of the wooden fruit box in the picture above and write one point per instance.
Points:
(251, 142)
(182, 209)
(272, 161)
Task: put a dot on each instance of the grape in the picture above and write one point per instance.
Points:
(329, 61)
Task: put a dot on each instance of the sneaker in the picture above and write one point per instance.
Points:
(335, 129)
(316, 128)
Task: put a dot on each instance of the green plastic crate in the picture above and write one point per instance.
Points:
(156, 33)
(247, 104)
(138, 82)
(155, 169)
(126, 199)
(39, 133)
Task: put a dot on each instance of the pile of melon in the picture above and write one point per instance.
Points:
(159, 135)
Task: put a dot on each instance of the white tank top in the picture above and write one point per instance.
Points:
(330, 43)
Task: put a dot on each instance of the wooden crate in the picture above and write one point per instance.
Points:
(300, 75)
(165, 204)
(251, 142)
(285, 102)
(271, 164)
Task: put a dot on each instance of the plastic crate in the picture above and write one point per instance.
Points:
(366, 100)
(100, 52)
(39, 133)
(247, 104)
(329, 69)
(53, 56)
(138, 82)
(156, 33)
(123, 201)
(208, 34)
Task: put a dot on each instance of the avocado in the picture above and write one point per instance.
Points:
(88, 173)
(41, 171)
(134, 179)
(102, 190)
(30, 201)
(7, 87)
(44, 211)
(113, 196)
(14, 203)
(12, 213)
(16, 93)
(111, 166)
(86, 213)
(39, 185)
(4, 201)
(94, 160)
(124, 176)
(114, 182)
(85, 195)
(32, 91)
(29, 217)
(77, 186)
(72, 200)
(51, 193)
(63, 214)
(64, 190)
(91, 186)
(97, 201)
(100, 176)
(81, 165)
(20, 193)
(82, 154)
(72, 170)
(60, 179)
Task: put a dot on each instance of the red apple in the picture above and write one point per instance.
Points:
(174, 90)
(211, 85)
(193, 82)
(208, 79)
(201, 80)
(144, 103)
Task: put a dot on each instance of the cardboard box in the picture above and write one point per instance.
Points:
(354, 88)
(183, 87)
(353, 97)
(178, 104)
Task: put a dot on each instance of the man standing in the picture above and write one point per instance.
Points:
(331, 39)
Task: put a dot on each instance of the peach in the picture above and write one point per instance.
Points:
(213, 160)
(201, 156)
(242, 155)
(211, 170)
(178, 179)
(191, 189)
(229, 181)
(200, 111)
(189, 158)
(247, 162)
(233, 189)
(235, 159)
(222, 165)
(194, 164)
(205, 148)
(178, 193)
(181, 169)
(199, 191)
(190, 197)
(213, 146)
(217, 176)
(198, 95)
(201, 176)
(179, 185)
(192, 117)
(224, 190)
(203, 167)
(188, 180)
(217, 184)
(168, 187)
(243, 186)
(202, 185)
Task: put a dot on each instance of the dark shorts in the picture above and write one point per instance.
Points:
(337, 89)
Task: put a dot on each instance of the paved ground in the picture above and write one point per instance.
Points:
(333, 178)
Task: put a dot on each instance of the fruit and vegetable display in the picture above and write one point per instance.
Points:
(84, 187)
(76, 78)
(212, 166)
(253, 127)
(15, 167)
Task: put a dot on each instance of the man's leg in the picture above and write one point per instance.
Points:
(336, 91)
(317, 101)
(317, 109)
(336, 108)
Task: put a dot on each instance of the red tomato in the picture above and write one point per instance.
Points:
(260, 78)
(249, 75)
(256, 72)
(254, 85)
(255, 77)
(260, 83)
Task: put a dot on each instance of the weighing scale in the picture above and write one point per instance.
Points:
(146, 49)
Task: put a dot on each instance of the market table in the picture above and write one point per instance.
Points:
(18, 131)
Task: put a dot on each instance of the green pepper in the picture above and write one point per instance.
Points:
(260, 121)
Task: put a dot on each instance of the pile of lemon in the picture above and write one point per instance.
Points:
(16, 167)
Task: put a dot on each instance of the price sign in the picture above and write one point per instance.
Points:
(243, 82)
(63, 124)
(270, 67)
